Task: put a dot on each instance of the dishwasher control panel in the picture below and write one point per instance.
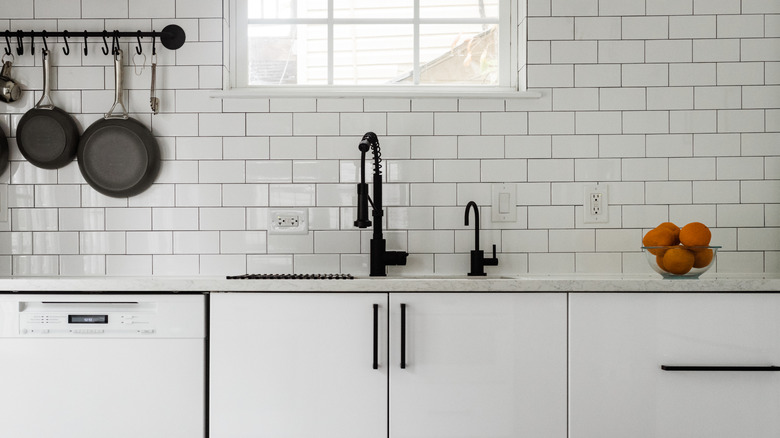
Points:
(110, 319)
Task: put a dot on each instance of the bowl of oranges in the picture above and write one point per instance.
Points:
(676, 252)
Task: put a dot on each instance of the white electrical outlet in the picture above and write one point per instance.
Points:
(596, 204)
(290, 221)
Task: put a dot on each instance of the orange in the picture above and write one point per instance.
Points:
(659, 260)
(675, 229)
(658, 237)
(678, 260)
(702, 258)
(695, 234)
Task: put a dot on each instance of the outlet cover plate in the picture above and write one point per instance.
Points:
(288, 221)
(596, 204)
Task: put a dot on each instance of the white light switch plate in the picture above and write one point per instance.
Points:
(504, 208)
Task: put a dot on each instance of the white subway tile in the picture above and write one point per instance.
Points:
(291, 195)
(336, 242)
(315, 124)
(25, 173)
(621, 145)
(57, 196)
(553, 263)
(739, 262)
(716, 192)
(740, 215)
(691, 26)
(691, 169)
(477, 192)
(269, 124)
(646, 75)
(772, 167)
(718, 97)
(574, 52)
(456, 170)
(104, 8)
(221, 172)
(149, 242)
(336, 195)
(199, 148)
(99, 242)
(692, 121)
(575, 99)
(740, 26)
(533, 194)
(757, 143)
(319, 171)
(622, 99)
(602, 169)
(268, 171)
(528, 146)
(19, 9)
(668, 192)
(128, 219)
(701, 7)
(221, 264)
(386, 104)
(548, 76)
(410, 218)
(674, 145)
(317, 263)
(590, 263)
(620, 239)
(245, 195)
(669, 7)
(550, 170)
(198, 9)
(291, 243)
(668, 51)
(552, 216)
(242, 242)
(504, 123)
(597, 28)
(196, 242)
(198, 195)
(70, 219)
(410, 171)
(455, 123)
(761, 97)
(647, 122)
(741, 121)
(740, 73)
(575, 146)
(250, 106)
(157, 195)
(35, 265)
(221, 125)
(740, 168)
(152, 9)
(484, 104)
(539, 8)
(645, 28)
(358, 124)
(772, 215)
(759, 239)
(291, 148)
(175, 218)
(222, 218)
(245, 148)
(434, 104)
(270, 264)
(175, 125)
(550, 28)
(643, 216)
(55, 243)
(178, 172)
(572, 240)
(551, 123)
(439, 146)
(621, 7)
(432, 194)
(760, 6)
(436, 241)
(575, 7)
(480, 147)
(715, 50)
(597, 75)
(598, 122)
(82, 265)
(645, 169)
(505, 170)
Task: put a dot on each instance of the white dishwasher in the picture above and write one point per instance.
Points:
(100, 365)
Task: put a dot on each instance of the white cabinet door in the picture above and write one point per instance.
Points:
(478, 365)
(297, 365)
(618, 343)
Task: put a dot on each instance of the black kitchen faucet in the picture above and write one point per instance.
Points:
(380, 257)
(478, 259)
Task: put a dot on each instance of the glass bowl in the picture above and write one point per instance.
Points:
(654, 255)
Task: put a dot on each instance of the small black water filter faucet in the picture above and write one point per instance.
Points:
(380, 257)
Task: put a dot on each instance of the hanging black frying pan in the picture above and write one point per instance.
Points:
(47, 136)
(3, 152)
(118, 156)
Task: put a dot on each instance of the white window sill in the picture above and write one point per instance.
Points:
(361, 92)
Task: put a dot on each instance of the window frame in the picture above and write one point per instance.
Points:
(510, 76)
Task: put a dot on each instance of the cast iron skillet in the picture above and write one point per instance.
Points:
(117, 155)
(47, 136)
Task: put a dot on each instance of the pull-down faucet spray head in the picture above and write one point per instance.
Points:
(362, 221)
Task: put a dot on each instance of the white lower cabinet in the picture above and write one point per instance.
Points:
(473, 365)
(618, 344)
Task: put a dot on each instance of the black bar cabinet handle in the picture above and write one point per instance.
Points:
(376, 336)
(403, 336)
(718, 368)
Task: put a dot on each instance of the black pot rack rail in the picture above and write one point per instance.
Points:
(172, 37)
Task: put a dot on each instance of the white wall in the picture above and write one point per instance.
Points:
(673, 103)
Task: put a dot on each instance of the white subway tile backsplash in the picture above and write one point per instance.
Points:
(716, 192)
(70, 219)
(291, 148)
(480, 147)
(549, 217)
(553, 263)
(646, 122)
(149, 242)
(575, 146)
(554, 28)
(550, 170)
(456, 170)
(195, 242)
(102, 242)
(295, 195)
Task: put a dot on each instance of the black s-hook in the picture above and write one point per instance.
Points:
(43, 36)
(19, 43)
(85, 43)
(154, 43)
(8, 42)
(105, 42)
(115, 43)
(138, 49)
(66, 49)
(32, 43)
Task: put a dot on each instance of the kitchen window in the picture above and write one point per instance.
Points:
(374, 46)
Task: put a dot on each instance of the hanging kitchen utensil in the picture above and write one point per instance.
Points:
(154, 101)
(46, 135)
(3, 152)
(10, 91)
(118, 156)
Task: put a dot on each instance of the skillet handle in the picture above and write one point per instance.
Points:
(118, 90)
(46, 83)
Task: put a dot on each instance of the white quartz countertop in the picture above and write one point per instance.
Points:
(521, 283)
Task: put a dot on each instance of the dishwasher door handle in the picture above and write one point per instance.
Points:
(718, 368)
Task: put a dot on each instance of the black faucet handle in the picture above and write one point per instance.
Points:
(493, 261)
